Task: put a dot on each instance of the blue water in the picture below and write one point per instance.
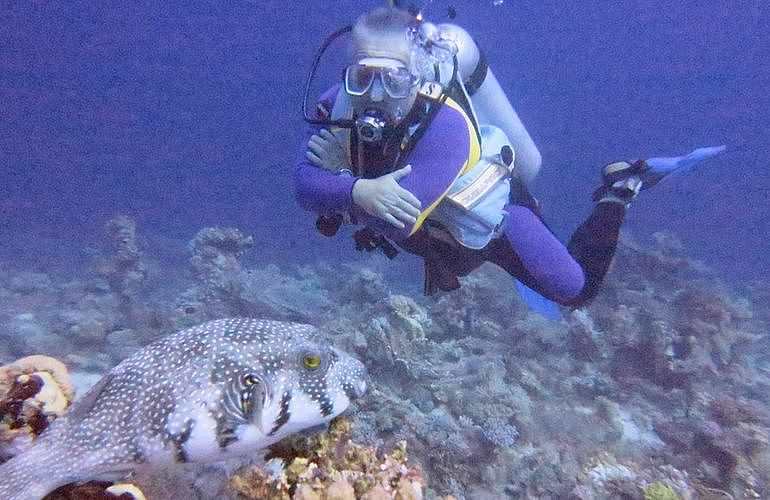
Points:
(185, 114)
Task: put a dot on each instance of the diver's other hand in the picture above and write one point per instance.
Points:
(326, 150)
(384, 198)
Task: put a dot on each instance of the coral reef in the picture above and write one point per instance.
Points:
(216, 254)
(97, 490)
(606, 477)
(660, 386)
(216, 266)
(660, 491)
(225, 287)
(34, 391)
(329, 466)
(124, 270)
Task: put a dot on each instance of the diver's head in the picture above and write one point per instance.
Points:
(380, 80)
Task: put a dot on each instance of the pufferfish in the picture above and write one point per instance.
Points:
(214, 391)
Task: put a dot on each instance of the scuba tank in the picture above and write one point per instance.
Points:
(451, 57)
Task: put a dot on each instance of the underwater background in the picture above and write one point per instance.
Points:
(186, 115)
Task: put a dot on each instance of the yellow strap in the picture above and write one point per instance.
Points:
(474, 155)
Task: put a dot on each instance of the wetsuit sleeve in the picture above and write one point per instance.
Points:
(439, 157)
(315, 188)
(318, 189)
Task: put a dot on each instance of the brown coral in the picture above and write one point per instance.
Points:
(330, 466)
(97, 490)
(729, 411)
(33, 391)
(36, 363)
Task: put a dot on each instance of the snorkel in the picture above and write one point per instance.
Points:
(371, 126)
(341, 123)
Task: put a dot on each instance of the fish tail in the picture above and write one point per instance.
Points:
(34, 473)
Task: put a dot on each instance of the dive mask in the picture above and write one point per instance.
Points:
(397, 81)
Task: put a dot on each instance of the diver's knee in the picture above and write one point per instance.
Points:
(567, 285)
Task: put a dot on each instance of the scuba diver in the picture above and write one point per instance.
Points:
(420, 146)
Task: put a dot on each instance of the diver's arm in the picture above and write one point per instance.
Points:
(320, 190)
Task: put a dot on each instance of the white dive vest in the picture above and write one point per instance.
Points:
(473, 209)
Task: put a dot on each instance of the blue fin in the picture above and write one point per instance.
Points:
(658, 168)
(537, 303)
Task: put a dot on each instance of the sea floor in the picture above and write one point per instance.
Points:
(662, 382)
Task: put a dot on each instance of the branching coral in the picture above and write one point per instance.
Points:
(365, 286)
(500, 433)
(215, 261)
(216, 254)
(395, 335)
(329, 466)
(124, 270)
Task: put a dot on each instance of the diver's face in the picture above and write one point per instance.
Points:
(385, 86)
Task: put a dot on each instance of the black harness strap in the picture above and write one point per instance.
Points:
(476, 79)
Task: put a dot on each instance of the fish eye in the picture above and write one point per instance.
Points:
(311, 361)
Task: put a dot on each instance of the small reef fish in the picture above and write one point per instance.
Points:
(221, 389)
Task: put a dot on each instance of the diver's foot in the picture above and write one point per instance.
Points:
(623, 180)
(621, 183)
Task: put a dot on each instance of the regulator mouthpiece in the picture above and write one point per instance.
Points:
(371, 126)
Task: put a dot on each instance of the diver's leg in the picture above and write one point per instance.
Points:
(572, 275)
(531, 253)
(568, 275)
(593, 245)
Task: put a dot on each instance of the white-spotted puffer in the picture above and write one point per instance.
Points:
(221, 389)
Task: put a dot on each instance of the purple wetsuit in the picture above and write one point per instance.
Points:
(529, 251)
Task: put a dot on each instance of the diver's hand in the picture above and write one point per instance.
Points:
(326, 150)
(384, 198)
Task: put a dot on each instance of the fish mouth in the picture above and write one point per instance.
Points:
(355, 387)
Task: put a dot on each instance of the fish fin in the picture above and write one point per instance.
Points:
(257, 401)
(244, 398)
(81, 407)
